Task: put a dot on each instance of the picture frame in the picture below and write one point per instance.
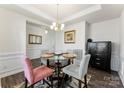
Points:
(69, 36)
(35, 39)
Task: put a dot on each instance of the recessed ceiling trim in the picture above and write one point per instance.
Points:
(38, 12)
(35, 11)
(82, 13)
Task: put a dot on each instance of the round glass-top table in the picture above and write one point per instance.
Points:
(57, 58)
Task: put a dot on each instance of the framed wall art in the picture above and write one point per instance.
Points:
(69, 36)
(35, 39)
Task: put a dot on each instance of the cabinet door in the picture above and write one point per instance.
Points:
(102, 55)
(92, 51)
(102, 48)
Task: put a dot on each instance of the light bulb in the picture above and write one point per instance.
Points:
(56, 28)
(54, 24)
(62, 26)
(51, 27)
(46, 31)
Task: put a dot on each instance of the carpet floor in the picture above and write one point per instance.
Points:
(96, 79)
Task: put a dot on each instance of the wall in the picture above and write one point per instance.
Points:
(108, 31)
(79, 37)
(48, 41)
(121, 68)
(12, 42)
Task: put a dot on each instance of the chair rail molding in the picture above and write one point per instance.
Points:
(33, 53)
(11, 63)
(10, 55)
(121, 71)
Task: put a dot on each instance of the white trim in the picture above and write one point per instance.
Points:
(36, 11)
(10, 63)
(34, 49)
(10, 55)
(115, 63)
(8, 73)
(121, 77)
(0, 83)
(82, 13)
(121, 70)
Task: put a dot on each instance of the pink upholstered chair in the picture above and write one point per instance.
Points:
(32, 76)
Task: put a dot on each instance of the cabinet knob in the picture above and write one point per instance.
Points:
(97, 58)
(98, 63)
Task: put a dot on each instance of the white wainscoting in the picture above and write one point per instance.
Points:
(33, 53)
(10, 63)
(0, 83)
(121, 71)
(115, 61)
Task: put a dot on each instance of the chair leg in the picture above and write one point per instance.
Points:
(51, 79)
(79, 83)
(63, 80)
(85, 80)
(43, 82)
(26, 83)
(32, 86)
(70, 78)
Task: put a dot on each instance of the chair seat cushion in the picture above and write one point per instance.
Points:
(41, 72)
(77, 61)
(72, 70)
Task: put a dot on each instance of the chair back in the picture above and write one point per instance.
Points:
(84, 65)
(28, 70)
(79, 53)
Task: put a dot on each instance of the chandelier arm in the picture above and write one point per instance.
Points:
(57, 13)
(56, 25)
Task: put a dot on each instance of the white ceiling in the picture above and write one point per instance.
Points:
(64, 10)
(69, 13)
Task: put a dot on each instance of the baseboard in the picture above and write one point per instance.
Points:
(11, 72)
(121, 77)
(0, 83)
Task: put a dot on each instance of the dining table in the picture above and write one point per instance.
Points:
(57, 58)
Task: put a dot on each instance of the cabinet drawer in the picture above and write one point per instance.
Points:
(103, 58)
(99, 64)
(97, 59)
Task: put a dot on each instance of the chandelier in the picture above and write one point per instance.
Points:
(57, 26)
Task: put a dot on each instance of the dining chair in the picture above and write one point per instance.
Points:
(32, 76)
(79, 53)
(78, 71)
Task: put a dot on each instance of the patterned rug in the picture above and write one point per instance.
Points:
(73, 83)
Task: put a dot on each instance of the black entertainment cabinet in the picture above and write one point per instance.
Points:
(100, 54)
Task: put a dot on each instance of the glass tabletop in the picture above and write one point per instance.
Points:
(55, 57)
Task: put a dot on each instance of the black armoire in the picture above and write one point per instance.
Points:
(100, 54)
